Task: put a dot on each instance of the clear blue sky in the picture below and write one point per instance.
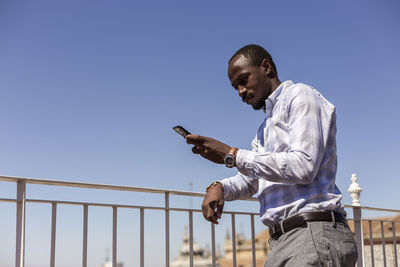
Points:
(90, 89)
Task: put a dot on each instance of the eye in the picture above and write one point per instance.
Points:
(242, 80)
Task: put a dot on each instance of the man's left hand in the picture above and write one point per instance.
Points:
(208, 148)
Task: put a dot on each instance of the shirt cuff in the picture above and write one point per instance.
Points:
(227, 190)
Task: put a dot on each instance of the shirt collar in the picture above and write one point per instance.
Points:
(274, 97)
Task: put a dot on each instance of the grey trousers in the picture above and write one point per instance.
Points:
(314, 244)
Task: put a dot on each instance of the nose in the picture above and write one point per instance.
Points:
(242, 91)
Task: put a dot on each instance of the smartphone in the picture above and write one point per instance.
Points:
(181, 131)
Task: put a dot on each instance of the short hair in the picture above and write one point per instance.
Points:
(256, 54)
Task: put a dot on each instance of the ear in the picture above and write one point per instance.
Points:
(266, 66)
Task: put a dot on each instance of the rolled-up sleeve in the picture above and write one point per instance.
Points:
(239, 187)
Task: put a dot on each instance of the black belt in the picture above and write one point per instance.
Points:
(276, 230)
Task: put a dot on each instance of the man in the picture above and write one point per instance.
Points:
(292, 167)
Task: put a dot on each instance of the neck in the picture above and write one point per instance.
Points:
(275, 82)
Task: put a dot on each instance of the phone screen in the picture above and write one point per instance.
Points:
(180, 130)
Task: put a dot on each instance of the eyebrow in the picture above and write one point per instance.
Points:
(235, 80)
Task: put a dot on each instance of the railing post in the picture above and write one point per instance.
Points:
(355, 191)
(53, 234)
(233, 240)
(371, 243)
(167, 229)
(383, 244)
(191, 238)
(213, 254)
(85, 235)
(253, 241)
(141, 237)
(114, 242)
(20, 238)
(394, 244)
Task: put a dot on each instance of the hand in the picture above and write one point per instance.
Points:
(208, 148)
(213, 203)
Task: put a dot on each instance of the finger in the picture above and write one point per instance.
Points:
(196, 150)
(203, 151)
(195, 138)
(194, 142)
(211, 215)
(220, 208)
(212, 219)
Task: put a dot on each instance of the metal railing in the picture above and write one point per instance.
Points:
(362, 241)
(21, 200)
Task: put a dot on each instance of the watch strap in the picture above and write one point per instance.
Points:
(233, 151)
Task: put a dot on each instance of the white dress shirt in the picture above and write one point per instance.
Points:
(292, 164)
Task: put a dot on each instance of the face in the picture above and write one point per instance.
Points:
(252, 83)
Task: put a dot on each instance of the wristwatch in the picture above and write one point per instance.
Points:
(230, 158)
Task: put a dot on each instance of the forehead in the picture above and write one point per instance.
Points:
(239, 64)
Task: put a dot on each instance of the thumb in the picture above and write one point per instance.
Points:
(196, 150)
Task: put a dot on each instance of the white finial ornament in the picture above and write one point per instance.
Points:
(355, 190)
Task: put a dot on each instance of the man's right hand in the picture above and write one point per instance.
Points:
(213, 203)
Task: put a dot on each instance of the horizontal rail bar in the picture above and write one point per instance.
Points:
(136, 189)
(150, 207)
(93, 204)
(176, 209)
(371, 208)
(7, 200)
(128, 206)
(103, 186)
(375, 220)
(378, 220)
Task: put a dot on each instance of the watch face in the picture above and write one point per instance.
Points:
(229, 160)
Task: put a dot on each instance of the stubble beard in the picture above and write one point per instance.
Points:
(259, 105)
